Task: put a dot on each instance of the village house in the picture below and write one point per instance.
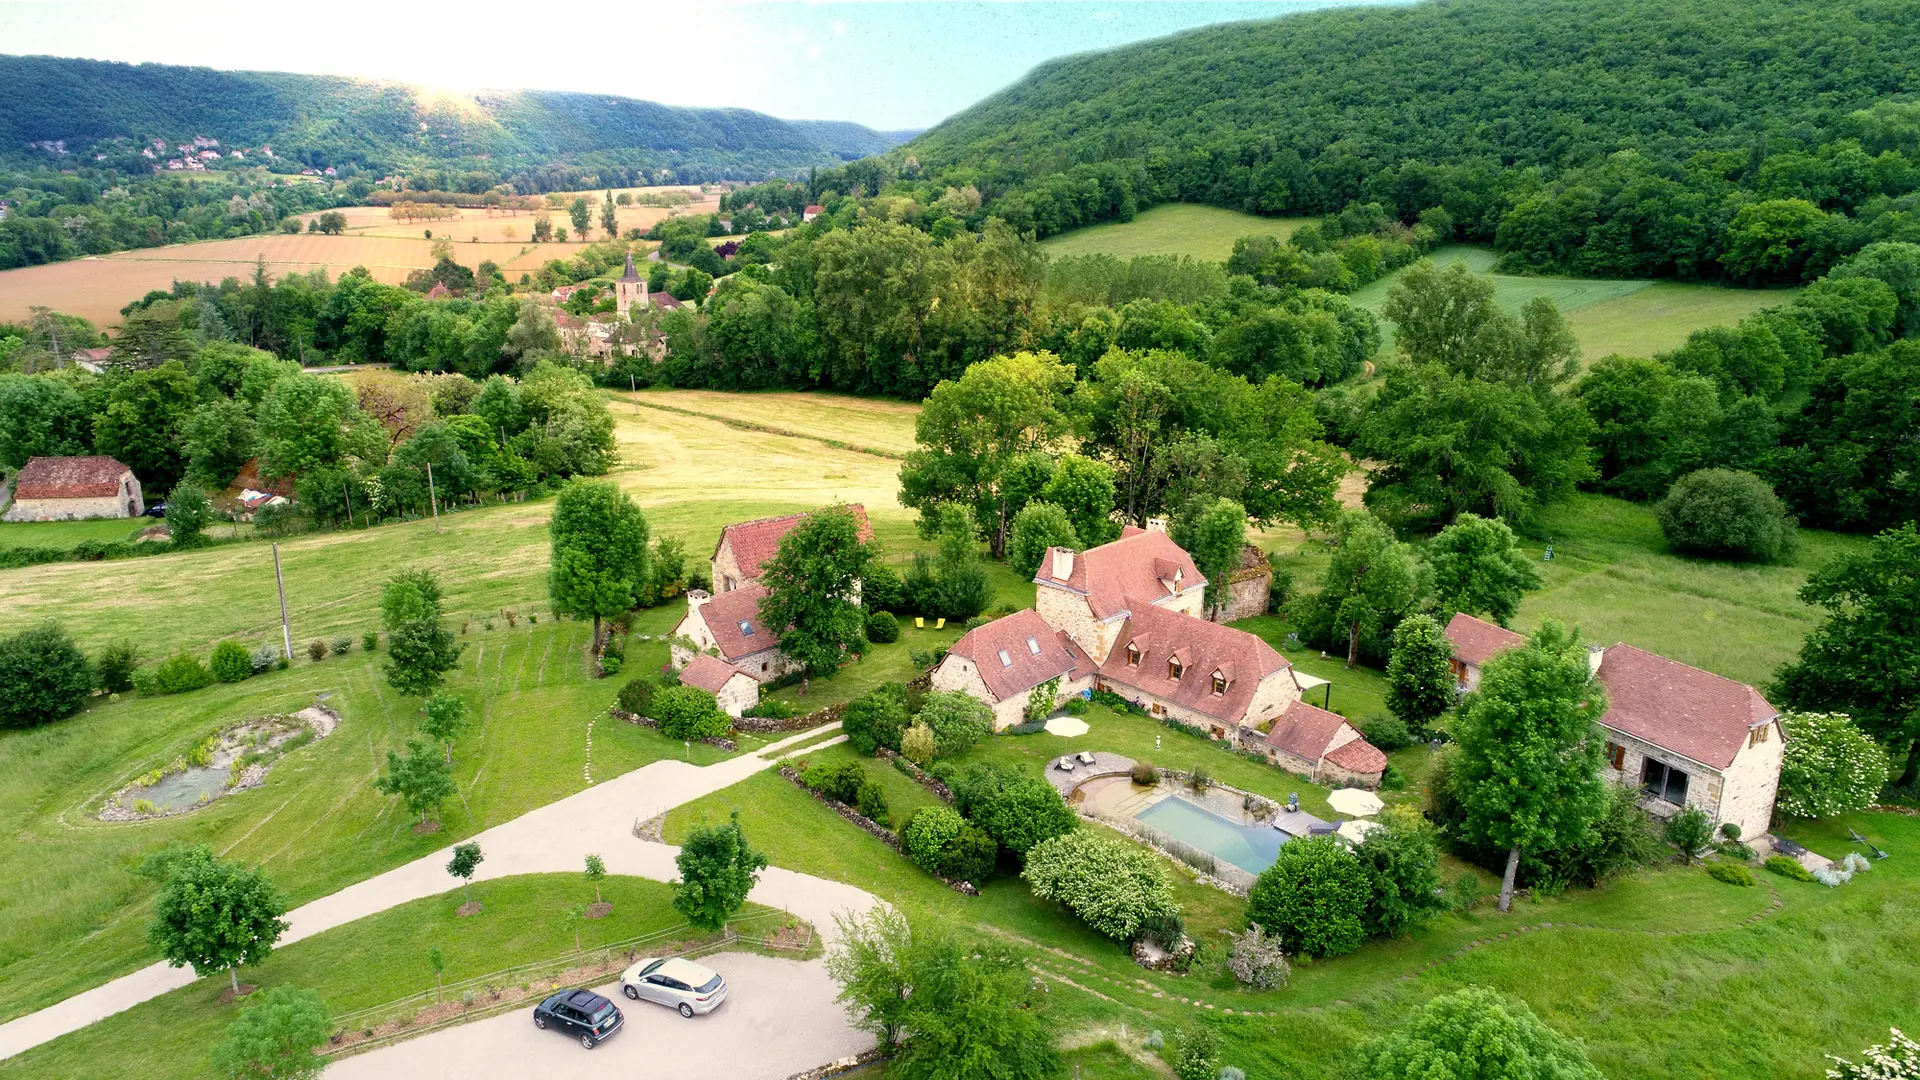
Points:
(745, 547)
(811, 212)
(72, 488)
(1321, 745)
(729, 626)
(1686, 737)
(1004, 661)
(733, 689)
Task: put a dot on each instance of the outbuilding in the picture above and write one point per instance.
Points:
(74, 488)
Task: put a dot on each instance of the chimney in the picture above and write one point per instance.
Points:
(697, 599)
(1594, 655)
(1158, 525)
(1062, 563)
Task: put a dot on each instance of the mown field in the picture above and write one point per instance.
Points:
(503, 227)
(1204, 232)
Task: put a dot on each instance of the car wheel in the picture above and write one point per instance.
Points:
(630, 992)
(540, 1022)
(686, 1010)
(587, 1041)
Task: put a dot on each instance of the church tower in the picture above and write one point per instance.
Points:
(630, 288)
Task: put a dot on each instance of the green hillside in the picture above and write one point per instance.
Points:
(328, 120)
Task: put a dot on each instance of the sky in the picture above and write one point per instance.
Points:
(887, 65)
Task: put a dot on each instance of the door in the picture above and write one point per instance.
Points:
(654, 988)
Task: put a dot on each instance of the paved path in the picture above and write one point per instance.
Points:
(779, 1018)
(555, 838)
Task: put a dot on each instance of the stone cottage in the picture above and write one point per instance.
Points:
(1002, 662)
(1321, 746)
(1687, 737)
(735, 690)
(745, 547)
(730, 625)
(72, 488)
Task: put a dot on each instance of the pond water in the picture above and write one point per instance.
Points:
(1250, 847)
(181, 789)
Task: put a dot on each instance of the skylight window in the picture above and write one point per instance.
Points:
(1005, 660)
(1033, 646)
(746, 628)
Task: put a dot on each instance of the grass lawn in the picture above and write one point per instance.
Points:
(875, 423)
(1204, 232)
(378, 959)
(65, 534)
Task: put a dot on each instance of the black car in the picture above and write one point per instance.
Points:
(579, 1012)
(158, 509)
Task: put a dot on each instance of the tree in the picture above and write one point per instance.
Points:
(446, 719)
(1037, 527)
(1017, 809)
(1402, 864)
(596, 873)
(422, 780)
(1478, 568)
(41, 417)
(1213, 531)
(1728, 514)
(972, 430)
(466, 859)
(1314, 897)
(876, 718)
(1897, 265)
(1116, 888)
(1690, 831)
(688, 712)
(812, 581)
(1084, 489)
(420, 652)
(313, 421)
(215, 915)
(142, 422)
(1830, 766)
(275, 1038)
(581, 214)
(944, 844)
(1371, 583)
(188, 513)
(1528, 766)
(958, 719)
(717, 871)
(609, 218)
(1420, 682)
(534, 336)
(1770, 240)
(43, 676)
(1865, 658)
(218, 438)
(872, 960)
(599, 555)
(1474, 1032)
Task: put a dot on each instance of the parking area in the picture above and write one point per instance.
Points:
(779, 1019)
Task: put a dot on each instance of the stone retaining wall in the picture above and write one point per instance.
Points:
(768, 725)
(868, 825)
(924, 778)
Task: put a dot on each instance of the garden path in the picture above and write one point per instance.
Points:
(555, 838)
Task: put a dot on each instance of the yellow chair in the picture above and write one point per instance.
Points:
(941, 625)
(919, 623)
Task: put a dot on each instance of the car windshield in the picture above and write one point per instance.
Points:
(710, 985)
(604, 1012)
(651, 968)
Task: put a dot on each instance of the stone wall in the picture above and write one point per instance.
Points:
(871, 827)
(767, 725)
(921, 776)
(1249, 587)
(106, 506)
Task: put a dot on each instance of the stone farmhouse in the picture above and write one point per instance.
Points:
(1125, 617)
(729, 624)
(745, 547)
(735, 690)
(1320, 745)
(1687, 737)
(72, 488)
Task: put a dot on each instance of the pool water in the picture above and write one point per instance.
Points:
(1250, 847)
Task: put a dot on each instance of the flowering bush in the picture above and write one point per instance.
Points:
(1258, 960)
(1830, 766)
(1899, 1059)
(1114, 886)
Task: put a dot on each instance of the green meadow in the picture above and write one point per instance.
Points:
(1204, 232)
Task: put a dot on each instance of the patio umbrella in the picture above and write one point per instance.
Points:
(1066, 725)
(1356, 831)
(1355, 801)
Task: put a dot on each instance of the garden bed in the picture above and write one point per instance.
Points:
(233, 759)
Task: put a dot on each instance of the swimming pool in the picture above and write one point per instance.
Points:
(1250, 847)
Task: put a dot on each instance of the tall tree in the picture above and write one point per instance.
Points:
(214, 914)
(1478, 568)
(582, 216)
(609, 217)
(717, 871)
(1420, 673)
(1865, 659)
(1213, 531)
(1371, 583)
(1528, 770)
(599, 557)
(143, 421)
(972, 430)
(420, 650)
(812, 584)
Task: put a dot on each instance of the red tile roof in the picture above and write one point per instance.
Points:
(91, 477)
(1205, 647)
(709, 673)
(1131, 572)
(1475, 642)
(1358, 756)
(1694, 713)
(1034, 652)
(734, 619)
(1304, 730)
(754, 542)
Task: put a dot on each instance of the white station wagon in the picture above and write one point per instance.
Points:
(677, 984)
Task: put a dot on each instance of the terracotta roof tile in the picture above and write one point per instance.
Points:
(1694, 713)
(1305, 730)
(709, 673)
(1475, 642)
(1358, 756)
(1208, 646)
(1034, 652)
(734, 619)
(91, 477)
(1140, 566)
(754, 542)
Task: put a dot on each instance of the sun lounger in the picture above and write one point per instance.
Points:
(941, 625)
(1065, 764)
(919, 623)
(1085, 758)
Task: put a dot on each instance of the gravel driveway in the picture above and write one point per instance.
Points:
(779, 1019)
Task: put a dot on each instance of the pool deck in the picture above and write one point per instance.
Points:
(1104, 764)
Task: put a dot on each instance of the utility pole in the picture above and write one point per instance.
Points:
(632, 386)
(346, 489)
(433, 497)
(286, 628)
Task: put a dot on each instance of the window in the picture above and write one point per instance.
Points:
(1005, 659)
(1616, 756)
(1133, 655)
(1033, 646)
(1758, 735)
(1219, 683)
(1663, 781)
(746, 628)
(1173, 668)
(763, 667)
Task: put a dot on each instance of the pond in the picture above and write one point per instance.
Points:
(233, 759)
(1250, 847)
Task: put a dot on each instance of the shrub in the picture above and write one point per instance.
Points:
(880, 589)
(871, 800)
(1387, 732)
(1829, 766)
(1196, 1054)
(1402, 864)
(927, 834)
(611, 663)
(1314, 898)
(1787, 868)
(1076, 706)
(772, 708)
(883, 628)
(1228, 1072)
(43, 677)
(1463, 1027)
(1018, 809)
(1725, 514)
(976, 622)
(917, 745)
(231, 662)
(1199, 780)
(1164, 929)
(635, 697)
(959, 720)
(1145, 774)
(1037, 527)
(1899, 1059)
(316, 650)
(1734, 849)
(1258, 960)
(178, 674)
(370, 640)
(1729, 830)
(839, 782)
(1731, 873)
(1112, 885)
(114, 670)
(688, 712)
(1391, 778)
(341, 646)
(1691, 831)
(876, 718)
(263, 659)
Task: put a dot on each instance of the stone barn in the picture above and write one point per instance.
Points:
(73, 488)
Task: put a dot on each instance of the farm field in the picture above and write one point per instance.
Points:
(1204, 232)
(502, 227)
(65, 534)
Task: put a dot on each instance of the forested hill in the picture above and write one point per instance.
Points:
(1305, 113)
(321, 120)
